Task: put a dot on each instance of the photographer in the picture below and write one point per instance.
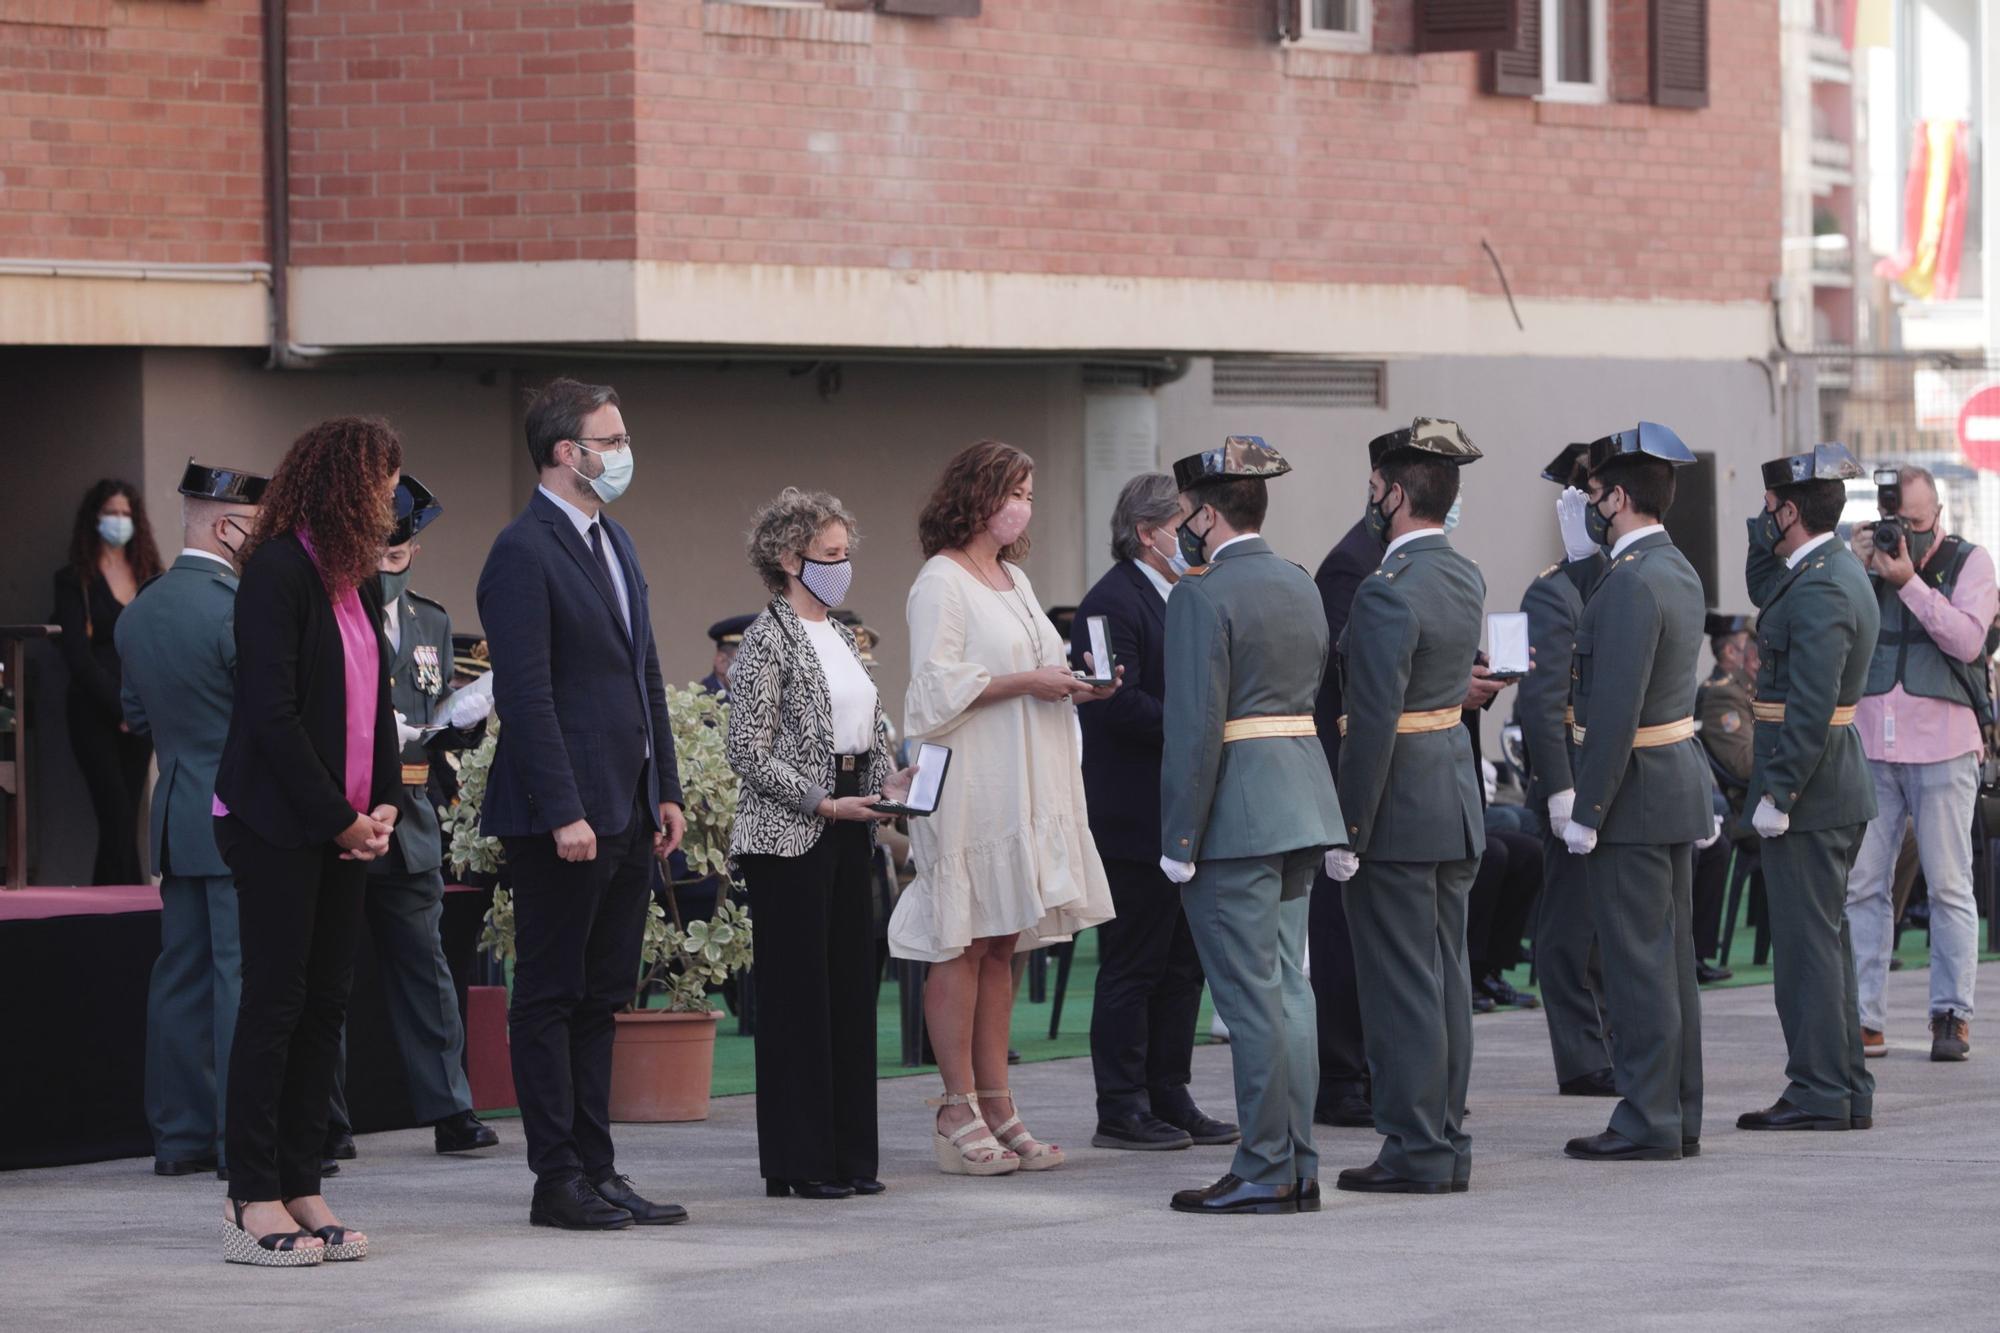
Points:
(1920, 728)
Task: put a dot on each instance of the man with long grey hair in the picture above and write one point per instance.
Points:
(1149, 977)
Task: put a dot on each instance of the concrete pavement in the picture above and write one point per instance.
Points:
(1894, 1228)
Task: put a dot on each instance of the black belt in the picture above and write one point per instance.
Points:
(847, 773)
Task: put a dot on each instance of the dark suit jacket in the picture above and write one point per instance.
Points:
(1353, 560)
(284, 763)
(1122, 736)
(580, 701)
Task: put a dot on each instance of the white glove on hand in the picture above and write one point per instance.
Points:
(471, 704)
(1581, 839)
(1705, 843)
(1341, 863)
(405, 733)
(1180, 872)
(1560, 805)
(1569, 518)
(1768, 821)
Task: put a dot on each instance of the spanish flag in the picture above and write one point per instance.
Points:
(1934, 199)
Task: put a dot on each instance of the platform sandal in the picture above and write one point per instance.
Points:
(956, 1152)
(280, 1249)
(1034, 1154)
(339, 1249)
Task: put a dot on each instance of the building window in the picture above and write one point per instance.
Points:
(1340, 25)
(1574, 58)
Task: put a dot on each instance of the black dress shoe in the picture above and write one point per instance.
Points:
(1350, 1110)
(339, 1148)
(866, 1185)
(1597, 1083)
(1781, 1114)
(186, 1166)
(1139, 1132)
(573, 1205)
(1690, 1147)
(1307, 1193)
(617, 1191)
(463, 1132)
(1502, 993)
(808, 1189)
(328, 1167)
(1707, 973)
(1375, 1178)
(1611, 1146)
(1231, 1194)
(1203, 1128)
(1482, 1003)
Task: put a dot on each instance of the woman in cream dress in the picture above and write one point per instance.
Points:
(1006, 862)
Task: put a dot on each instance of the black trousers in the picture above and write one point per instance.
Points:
(1502, 899)
(1343, 1056)
(299, 912)
(815, 989)
(1711, 884)
(1148, 996)
(577, 928)
(113, 764)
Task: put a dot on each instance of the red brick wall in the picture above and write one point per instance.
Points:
(131, 131)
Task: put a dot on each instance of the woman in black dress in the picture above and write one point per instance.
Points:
(111, 554)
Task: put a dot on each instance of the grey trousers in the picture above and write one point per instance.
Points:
(403, 913)
(1812, 970)
(1939, 799)
(1408, 922)
(1642, 900)
(191, 1009)
(1567, 965)
(1248, 916)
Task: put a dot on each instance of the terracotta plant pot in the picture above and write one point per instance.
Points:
(662, 1065)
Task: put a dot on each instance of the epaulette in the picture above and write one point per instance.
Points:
(1550, 570)
(415, 596)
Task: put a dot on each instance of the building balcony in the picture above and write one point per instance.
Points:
(1832, 163)
(1832, 261)
(1827, 61)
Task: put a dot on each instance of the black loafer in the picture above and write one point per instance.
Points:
(340, 1148)
(808, 1189)
(1139, 1132)
(866, 1185)
(617, 1191)
(1611, 1146)
(1498, 989)
(1232, 1194)
(328, 1167)
(1707, 974)
(1482, 1003)
(1597, 1083)
(1203, 1128)
(1307, 1193)
(572, 1205)
(1378, 1179)
(1781, 1114)
(186, 1166)
(464, 1132)
(1350, 1110)
(1690, 1147)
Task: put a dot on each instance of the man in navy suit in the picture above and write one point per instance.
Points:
(1149, 976)
(583, 795)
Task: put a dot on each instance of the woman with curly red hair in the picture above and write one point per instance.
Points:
(305, 794)
(1007, 861)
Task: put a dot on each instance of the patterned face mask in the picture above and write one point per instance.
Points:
(827, 580)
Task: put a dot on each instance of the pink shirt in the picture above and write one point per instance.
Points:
(1899, 728)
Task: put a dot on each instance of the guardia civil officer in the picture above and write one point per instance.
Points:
(1409, 786)
(405, 898)
(1810, 796)
(1247, 807)
(1642, 794)
(727, 636)
(1722, 710)
(177, 641)
(1566, 958)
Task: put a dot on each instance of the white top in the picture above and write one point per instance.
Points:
(584, 523)
(1792, 560)
(1410, 536)
(1634, 535)
(847, 685)
(1156, 578)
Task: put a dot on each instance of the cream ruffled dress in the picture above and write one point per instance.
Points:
(1009, 848)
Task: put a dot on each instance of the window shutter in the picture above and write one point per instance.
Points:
(1467, 25)
(1516, 71)
(1680, 52)
(1286, 17)
(944, 9)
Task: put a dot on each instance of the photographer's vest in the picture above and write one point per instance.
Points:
(1906, 654)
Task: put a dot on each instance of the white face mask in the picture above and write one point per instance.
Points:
(1451, 514)
(1172, 555)
(617, 475)
(115, 529)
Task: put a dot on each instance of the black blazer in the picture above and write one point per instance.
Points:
(1339, 578)
(88, 618)
(284, 763)
(1122, 735)
(579, 700)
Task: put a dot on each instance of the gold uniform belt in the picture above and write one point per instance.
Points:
(1430, 719)
(1775, 712)
(1256, 728)
(416, 775)
(1645, 738)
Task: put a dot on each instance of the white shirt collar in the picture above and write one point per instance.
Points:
(1239, 537)
(1792, 560)
(576, 516)
(207, 555)
(1634, 535)
(1411, 536)
(1156, 578)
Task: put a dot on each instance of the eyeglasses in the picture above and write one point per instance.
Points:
(612, 441)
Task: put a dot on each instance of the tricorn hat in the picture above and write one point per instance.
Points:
(1426, 435)
(1238, 456)
(469, 656)
(1563, 466)
(1824, 462)
(1718, 623)
(201, 482)
(415, 508)
(1648, 439)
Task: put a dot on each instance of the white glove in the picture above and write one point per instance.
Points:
(1180, 872)
(1560, 805)
(1341, 863)
(1705, 843)
(1769, 821)
(471, 704)
(405, 733)
(1581, 839)
(1569, 518)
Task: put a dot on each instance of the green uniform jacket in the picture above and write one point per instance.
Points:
(1554, 605)
(177, 645)
(1722, 706)
(1246, 637)
(419, 679)
(1408, 648)
(1634, 666)
(1816, 633)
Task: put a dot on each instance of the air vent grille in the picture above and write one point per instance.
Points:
(1298, 381)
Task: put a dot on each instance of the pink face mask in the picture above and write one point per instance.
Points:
(1010, 522)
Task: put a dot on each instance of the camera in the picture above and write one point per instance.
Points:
(1892, 534)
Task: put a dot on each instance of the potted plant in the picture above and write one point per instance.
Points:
(663, 1055)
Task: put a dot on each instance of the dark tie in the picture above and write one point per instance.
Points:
(604, 562)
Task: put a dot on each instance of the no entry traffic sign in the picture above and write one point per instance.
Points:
(1979, 429)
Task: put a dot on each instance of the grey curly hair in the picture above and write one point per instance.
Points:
(786, 526)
